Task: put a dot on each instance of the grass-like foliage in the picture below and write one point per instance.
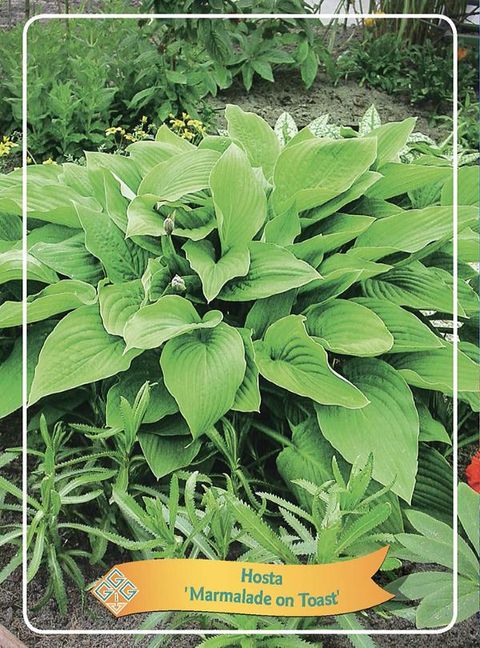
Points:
(255, 305)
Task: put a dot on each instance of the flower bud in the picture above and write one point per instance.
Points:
(168, 225)
(178, 284)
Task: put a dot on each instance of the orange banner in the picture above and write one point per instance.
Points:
(242, 588)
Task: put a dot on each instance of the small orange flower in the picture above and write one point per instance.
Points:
(472, 472)
(462, 52)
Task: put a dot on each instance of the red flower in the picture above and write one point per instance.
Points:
(472, 472)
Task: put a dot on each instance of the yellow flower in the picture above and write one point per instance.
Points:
(29, 160)
(129, 137)
(49, 161)
(111, 131)
(144, 119)
(369, 22)
(4, 149)
(188, 135)
(185, 116)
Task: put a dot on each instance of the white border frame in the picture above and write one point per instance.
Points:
(318, 17)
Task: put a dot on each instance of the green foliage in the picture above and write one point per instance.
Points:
(433, 544)
(248, 341)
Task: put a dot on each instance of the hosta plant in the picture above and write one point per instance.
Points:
(260, 302)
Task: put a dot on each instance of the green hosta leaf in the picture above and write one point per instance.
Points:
(69, 257)
(165, 136)
(143, 219)
(468, 247)
(53, 203)
(123, 260)
(434, 370)
(146, 368)
(167, 318)
(414, 285)
(203, 371)
(315, 171)
(107, 191)
(213, 273)
(387, 428)
(409, 333)
(391, 139)
(57, 298)
(254, 135)
(78, 351)
(284, 228)
(184, 174)
(308, 456)
(430, 429)
(118, 302)
(11, 367)
(11, 268)
(433, 492)
(291, 359)
(122, 168)
(338, 264)
(412, 230)
(400, 179)
(345, 327)
(267, 311)
(239, 199)
(339, 229)
(357, 190)
(273, 270)
(468, 187)
(248, 397)
(164, 455)
(147, 154)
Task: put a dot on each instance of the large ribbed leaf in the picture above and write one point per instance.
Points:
(434, 370)
(143, 219)
(414, 285)
(345, 327)
(69, 257)
(308, 456)
(255, 136)
(248, 397)
(339, 229)
(468, 187)
(357, 190)
(143, 369)
(409, 333)
(316, 170)
(107, 191)
(78, 351)
(11, 268)
(123, 168)
(147, 154)
(412, 230)
(164, 455)
(402, 178)
(11, 367)
(118, 302)
(123, 259)
(391, 139)
(239, 199)
(214, 273)
(203, 371)
(180, 175)
(57, 298)
(291, 359)
(433, 492)
(167, 318)
(387, 428)
(273, 270)
(468, 501)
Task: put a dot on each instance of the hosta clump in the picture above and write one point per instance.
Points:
(258, 272)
